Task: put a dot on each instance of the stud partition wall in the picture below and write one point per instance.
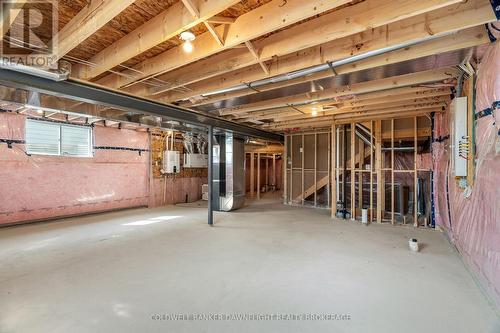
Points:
(308, 169)
(262, 172)
(381, 166)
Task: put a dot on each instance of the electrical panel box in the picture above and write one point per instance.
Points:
(171, 161)
(459, 140)
(195, 160)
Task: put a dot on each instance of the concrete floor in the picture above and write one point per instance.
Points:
(113, 272)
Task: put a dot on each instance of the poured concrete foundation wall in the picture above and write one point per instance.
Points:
(39, 187)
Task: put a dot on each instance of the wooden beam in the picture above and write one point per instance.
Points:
(90, 19)
(192, 8)
(255, 54)
(325, 124)
(357, 88)
(221, 20)
(214, 33)
(369, 99)
(446, 20)
(379, 108)
(313, 188)
(334, 172)
(262, 20)
(168, 24)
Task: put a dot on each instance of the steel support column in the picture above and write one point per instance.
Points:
(210, 175)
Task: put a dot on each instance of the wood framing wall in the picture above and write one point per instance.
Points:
(308, 167)
(374, 165)
(264, 172)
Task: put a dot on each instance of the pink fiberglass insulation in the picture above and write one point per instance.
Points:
(41, 187)
(473, 223)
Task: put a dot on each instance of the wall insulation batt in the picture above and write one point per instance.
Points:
(39, 187)
(473, 223)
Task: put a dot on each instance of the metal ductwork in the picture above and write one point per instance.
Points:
(323, 67)
(228, 172)
(61, 74)
(201, 143)
(188, 142)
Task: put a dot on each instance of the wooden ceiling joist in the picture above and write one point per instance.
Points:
(401, 99)
(434, 101)
(340, 45)
(327, 123)
(221, 20)
(90, 19)
(276, 15)
(161, 28)
(262, 20)
(357, 88)
(374, 98)
(349, 112)
(315, 57)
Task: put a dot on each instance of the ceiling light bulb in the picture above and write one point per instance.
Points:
(314, 113)
(39, 111)
(187, 36)
(187, 46)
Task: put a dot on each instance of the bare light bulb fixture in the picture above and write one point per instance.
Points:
(314, 112)
(188, 38)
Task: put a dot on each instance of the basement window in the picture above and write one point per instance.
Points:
(56, 139)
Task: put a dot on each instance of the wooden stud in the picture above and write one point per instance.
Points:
(285, 171)
(361, 157)
(415, 147)
(252, 174)
(353, 171)
(315, 169)
(378, 167)
(371, 170)
(267, 173)
(392, 172)
(334, 171)
(291, 199)
(258, 176)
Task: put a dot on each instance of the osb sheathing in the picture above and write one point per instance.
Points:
(158, 146)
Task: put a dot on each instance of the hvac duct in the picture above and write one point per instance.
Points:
(228, 173)
(62, 74)
(319, 68)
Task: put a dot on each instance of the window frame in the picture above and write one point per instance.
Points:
(60, 143)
